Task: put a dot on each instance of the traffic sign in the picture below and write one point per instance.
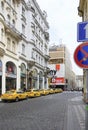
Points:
(82, 31)
(81, 55)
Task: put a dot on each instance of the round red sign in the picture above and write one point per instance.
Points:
(81, 55)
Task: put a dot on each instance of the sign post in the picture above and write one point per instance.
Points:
(86, 110)
(81, 58)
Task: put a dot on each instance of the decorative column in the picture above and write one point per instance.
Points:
(43, 83)
(3, 79)
(47, 83)
(38, 81)
(18, 78)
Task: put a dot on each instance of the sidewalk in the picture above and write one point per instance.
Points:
(76, 114)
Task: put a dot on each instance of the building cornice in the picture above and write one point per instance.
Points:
(40, 12)
(80, 8)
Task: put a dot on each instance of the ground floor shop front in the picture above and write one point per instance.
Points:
(13, 76)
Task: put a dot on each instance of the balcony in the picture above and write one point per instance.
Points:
(11, 29)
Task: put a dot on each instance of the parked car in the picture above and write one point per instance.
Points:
(58, 90)
(14, 95)
(51, 91)
(33, 93)
(44, 91)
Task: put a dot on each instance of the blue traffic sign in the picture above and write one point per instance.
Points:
(81, 55)
(82, 31)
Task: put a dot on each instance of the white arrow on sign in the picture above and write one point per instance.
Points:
(86, 31)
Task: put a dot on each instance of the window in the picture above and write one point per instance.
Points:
(8, 44)
(33, 54)
(8, 18)
(13, 46)
(23, 49)
(39, 59)
(23, 11)
(2, 33)
(13, 22)
(2, 6)
(36, 57)
(14, 3)
(23, 29)
(9, 1)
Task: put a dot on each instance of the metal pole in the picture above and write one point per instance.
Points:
(86, 110)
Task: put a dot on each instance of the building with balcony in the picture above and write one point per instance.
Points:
(61, 74)
(24, 45)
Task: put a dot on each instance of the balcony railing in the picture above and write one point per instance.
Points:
(12, 28)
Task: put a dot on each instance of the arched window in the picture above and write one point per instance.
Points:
(23, 68)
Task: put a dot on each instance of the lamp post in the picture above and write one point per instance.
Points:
(53, 73)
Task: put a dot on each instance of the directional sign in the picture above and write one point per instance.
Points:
(81, 55)
(82, 31)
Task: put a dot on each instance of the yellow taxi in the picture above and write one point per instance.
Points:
(44, 91)
(14, 95)
(33, 93)
(58, 90)
(51, 91)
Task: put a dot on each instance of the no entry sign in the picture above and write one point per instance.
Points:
(81, 55)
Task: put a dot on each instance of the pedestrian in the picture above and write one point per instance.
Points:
(24, 89)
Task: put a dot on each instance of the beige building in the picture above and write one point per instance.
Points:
(60, 64)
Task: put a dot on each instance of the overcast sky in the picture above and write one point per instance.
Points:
(62, 16)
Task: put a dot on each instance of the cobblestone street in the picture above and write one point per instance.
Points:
(51, 112)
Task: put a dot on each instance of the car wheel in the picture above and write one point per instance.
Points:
(17, 99)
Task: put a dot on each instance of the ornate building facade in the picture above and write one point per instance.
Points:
(24, 41)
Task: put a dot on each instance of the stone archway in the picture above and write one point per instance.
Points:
(11, 75)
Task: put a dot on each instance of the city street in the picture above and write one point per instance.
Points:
(62, 111)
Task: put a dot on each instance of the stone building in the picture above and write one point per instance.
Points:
(24, 41)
